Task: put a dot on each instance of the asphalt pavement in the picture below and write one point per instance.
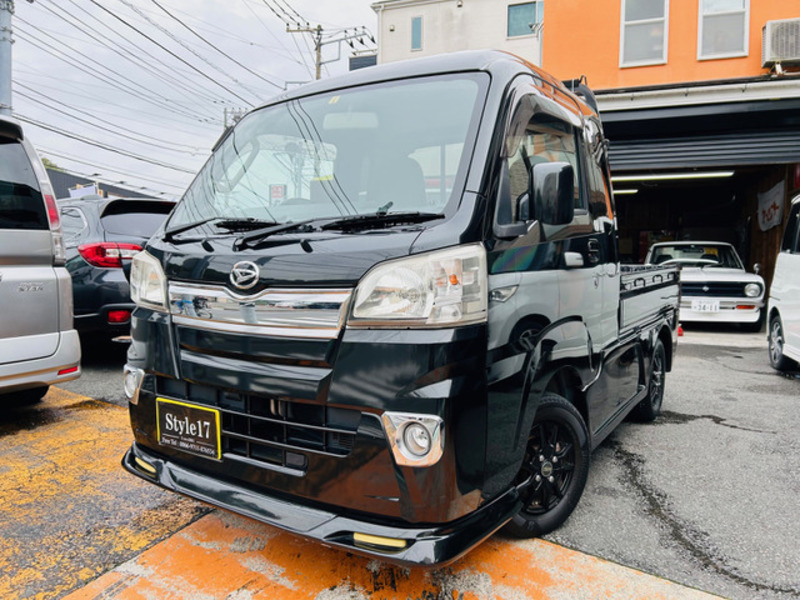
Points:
(705, 497)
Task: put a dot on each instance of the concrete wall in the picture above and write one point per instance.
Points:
(448, 27)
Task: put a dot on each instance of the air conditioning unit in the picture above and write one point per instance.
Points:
(780, 42)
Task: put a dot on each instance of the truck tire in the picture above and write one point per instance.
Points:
(649, 408)
(775, 345)
(557, 463)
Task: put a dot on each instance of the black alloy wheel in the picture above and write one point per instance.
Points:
(650, 407)
(556, 465)
(775, 344)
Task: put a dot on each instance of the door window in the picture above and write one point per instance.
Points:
(791, 242)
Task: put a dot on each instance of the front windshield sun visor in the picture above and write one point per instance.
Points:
(392, 148)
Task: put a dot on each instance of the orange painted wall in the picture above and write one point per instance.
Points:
(581, 37)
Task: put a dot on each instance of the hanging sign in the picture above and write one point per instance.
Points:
(770, 207)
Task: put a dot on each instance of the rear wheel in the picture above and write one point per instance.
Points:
(775, 345)
(556, 463)
(649, 408)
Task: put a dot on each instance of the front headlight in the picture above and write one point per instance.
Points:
(441, 288)
(751, 290)
(148, 282)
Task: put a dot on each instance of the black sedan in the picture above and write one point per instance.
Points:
(99, 234)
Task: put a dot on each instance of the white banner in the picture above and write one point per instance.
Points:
(770, 207)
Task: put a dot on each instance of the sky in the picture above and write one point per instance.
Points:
(136, 92)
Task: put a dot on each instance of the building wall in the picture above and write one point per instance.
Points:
(597, 26)
(448, 27)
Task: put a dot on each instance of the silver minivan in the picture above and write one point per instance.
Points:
(783, 333)
(38, 344)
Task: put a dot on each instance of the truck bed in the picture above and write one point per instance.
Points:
(646, 291)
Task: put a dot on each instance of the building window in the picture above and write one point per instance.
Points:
(416, 33)
(644, 32)
(522, 18)
(723, 28)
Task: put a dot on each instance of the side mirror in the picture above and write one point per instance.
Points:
(757, 268)
(552, 187)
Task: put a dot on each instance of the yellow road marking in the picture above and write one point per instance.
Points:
(69, 512)
(227, 556)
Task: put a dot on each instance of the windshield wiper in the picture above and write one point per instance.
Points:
(253, 238)
(380, 219)
(169, 235)
(245, 224)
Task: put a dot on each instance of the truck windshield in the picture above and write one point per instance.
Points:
(397, 147)
(697, 255)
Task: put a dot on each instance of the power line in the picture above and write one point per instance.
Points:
(170, 52)
(84, 112)
(73, 62)
(226, 55)
(186, 46)
(49, 152)
(116, 131)
(93, 98)
(151, 67)
(101, 145)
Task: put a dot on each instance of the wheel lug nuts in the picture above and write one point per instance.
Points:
(555, 459)
(541, 458)
(538, 478)
(551, 479)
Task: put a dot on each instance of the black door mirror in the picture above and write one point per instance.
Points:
(552, 187)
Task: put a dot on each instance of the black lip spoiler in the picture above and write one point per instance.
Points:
(427, 546)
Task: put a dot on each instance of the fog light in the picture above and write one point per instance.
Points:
(416, 440)
(131, 382)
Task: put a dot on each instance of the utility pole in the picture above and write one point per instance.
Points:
(345, 36)
(6, 10)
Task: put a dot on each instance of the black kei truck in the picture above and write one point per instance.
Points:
(389, 315)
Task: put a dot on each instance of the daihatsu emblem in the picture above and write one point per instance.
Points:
(244, 274)
(706, 288)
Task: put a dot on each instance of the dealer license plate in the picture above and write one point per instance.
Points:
(188, 427)
(710, 306)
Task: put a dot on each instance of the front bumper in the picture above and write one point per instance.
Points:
(730, 310)
(421, 545)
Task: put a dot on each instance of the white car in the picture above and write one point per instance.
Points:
(783, 332)
(715, 287)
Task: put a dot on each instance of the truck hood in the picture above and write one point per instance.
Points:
(319, 259)
(707, 274)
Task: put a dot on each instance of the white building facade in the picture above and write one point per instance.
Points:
(413, 28)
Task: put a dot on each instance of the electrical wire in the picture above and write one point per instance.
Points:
(101, 145)
(75, 63)
(185, 46)
(151, 67)
(42, 151)
(153, 142)
(170, 52)
(225, 54)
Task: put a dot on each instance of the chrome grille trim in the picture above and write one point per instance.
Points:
(317, 314)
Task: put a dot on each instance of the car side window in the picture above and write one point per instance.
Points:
(545, 139)
(73, 224)
(791, 240)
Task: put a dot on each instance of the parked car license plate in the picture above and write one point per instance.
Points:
(711, 306)
(188, 427)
